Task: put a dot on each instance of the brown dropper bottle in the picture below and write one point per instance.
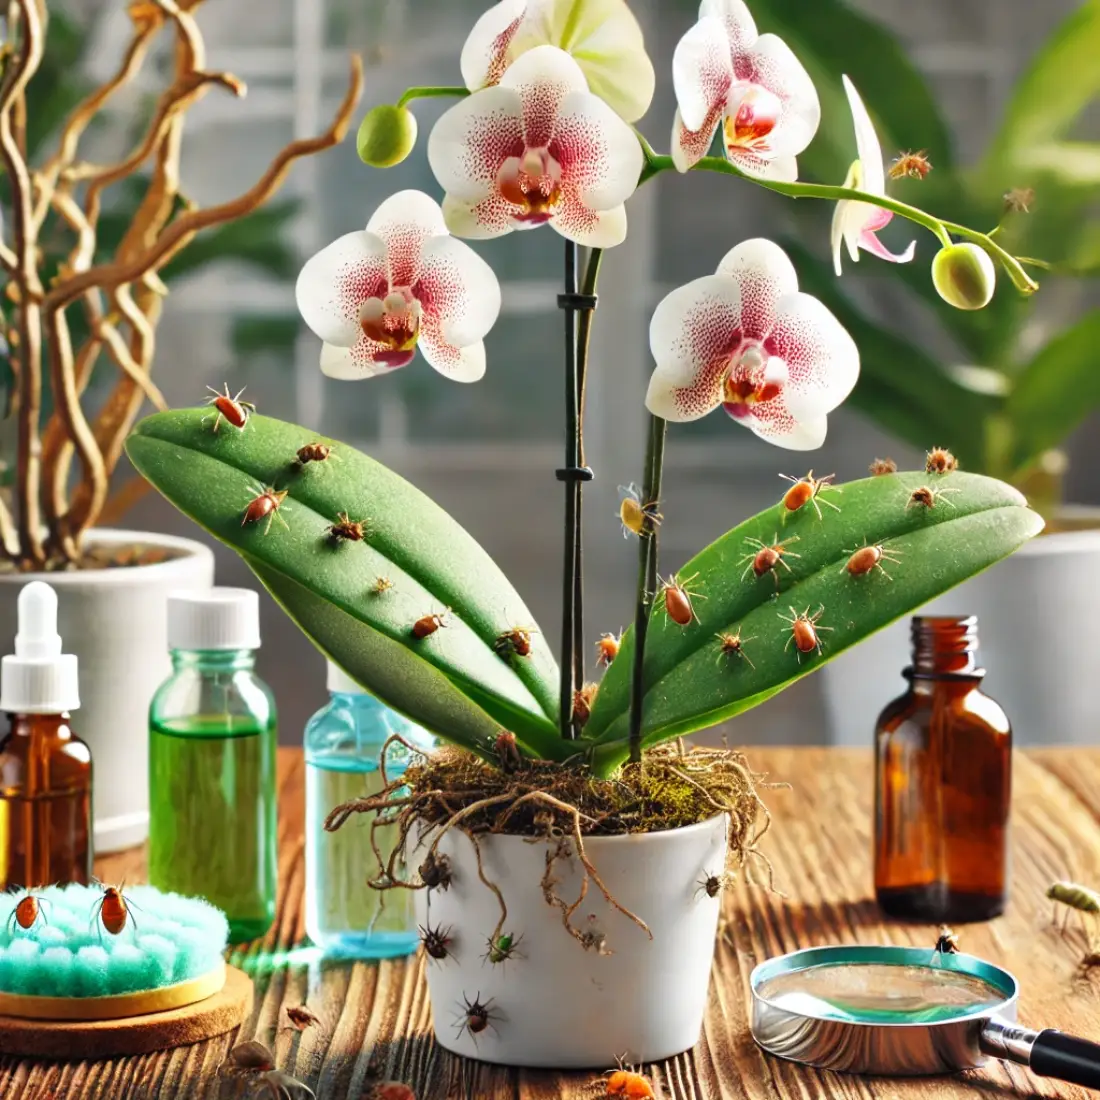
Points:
(942, 784)
(45, 769)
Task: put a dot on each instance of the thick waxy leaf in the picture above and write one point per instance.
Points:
(692, 683)
(453, 681)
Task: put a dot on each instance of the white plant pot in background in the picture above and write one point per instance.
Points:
(116, 622)
(556, 1004)
(1033, 613)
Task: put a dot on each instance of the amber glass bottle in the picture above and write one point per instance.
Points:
(942, 784)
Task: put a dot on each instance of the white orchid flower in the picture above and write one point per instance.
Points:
(602, 36)
(538, 148)
(748, 340)
(376, 295)
(724, 72)
(856, 224)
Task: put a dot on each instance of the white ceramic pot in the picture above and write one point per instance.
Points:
(556, 1004)
(1033, 613)
(116, 622)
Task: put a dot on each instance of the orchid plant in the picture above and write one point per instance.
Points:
(543, 135)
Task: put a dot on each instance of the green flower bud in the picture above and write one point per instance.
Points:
(387, 136)
(964, 276)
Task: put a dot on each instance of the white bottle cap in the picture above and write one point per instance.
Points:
(38, 678)
(214, 618)
(340, 682)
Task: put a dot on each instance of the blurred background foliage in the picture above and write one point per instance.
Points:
(1004, 387)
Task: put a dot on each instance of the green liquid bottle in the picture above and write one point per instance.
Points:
(212, 747)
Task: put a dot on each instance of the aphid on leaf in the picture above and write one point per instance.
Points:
(626, 1083)
(27, 913)
(607, 648)
(677, 599)
(507, 752)
(882, 466)
(266, 504)
(807, 490)
(475, 1017)
(947, 943)
(766, 558)
(636, 517)
(346, 529)
(939, 460)
(315, 452)
(436, 941)
(515, 641)
(914, 165)
(428, 625)
(804, 630)
(583, 698)
(868, 558)
(113, 910)
(435, 871)
(503, 948)
(299, 1017)
(929, 498)
(231, 409)
(381, 586)
(733, 645)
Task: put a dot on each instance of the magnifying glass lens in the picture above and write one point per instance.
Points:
(881, 994)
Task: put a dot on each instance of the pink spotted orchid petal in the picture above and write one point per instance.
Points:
(537, 149)
(376, 296)
(752, 86)
(602, 35)
(855, 224)
(746, 339)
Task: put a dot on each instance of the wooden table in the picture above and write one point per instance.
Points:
(375, 1019)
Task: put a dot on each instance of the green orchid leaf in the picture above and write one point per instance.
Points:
(694, 680)
(358, 599)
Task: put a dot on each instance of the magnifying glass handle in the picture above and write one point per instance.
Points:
(1048, 1053)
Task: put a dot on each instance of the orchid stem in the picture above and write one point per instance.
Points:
(647, 579)
(570, 475)
(432, 92)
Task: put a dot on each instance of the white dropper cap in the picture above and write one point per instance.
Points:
(214, 618)
(38, 678)
(339, 682)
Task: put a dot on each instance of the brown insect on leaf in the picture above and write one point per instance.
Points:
(805, 631)
(939, 460)
(883, 466)
(230, 409)
(607, 648)
(733, 645)
(914, 165)
(677, 599)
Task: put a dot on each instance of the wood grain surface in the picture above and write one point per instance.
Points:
(375, 1019)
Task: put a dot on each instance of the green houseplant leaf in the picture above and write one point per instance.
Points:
(692, 683)
(453, 681)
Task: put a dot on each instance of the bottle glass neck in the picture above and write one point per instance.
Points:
(945, 646)
(214, 660)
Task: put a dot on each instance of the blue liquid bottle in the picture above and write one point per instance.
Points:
(343, 742)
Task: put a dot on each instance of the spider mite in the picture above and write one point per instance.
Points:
(507, 752)
(947, 943)
(882, 466)
(315, 452)
(346, 529)
(501, 949)
(266, 505)
(231, 409)
(27, 913)
(868, 558)
(765, 558)
(804, 630)
(583, 698)
(915, 165)
(517, 641)
(299, 1017)
(435, 871)
(381, 586)
(927, 498)
(475, 1017)
(807, 490)
(607, 648)
(733, 645)
(635, 516)
(677, 599)
(252, 1055)
(428, 625)
(436, 941)
(113, 910)
(940, 461)
(624, 1082)
(711, 885)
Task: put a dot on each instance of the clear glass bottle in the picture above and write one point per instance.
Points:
(212, 750)
(45, 769)
(943, 784)
(343, 744)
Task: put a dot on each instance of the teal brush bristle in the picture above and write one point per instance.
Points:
(167, 939)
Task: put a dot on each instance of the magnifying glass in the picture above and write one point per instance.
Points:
(901, 1011)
